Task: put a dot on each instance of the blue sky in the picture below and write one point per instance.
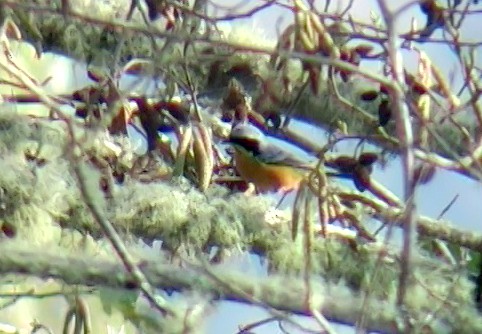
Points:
(431, 198)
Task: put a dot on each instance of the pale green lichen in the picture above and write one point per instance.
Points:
(43, 202)
(164, 211)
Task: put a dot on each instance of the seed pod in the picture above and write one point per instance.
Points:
(203, 156)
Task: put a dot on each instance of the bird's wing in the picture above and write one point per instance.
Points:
(274, 154)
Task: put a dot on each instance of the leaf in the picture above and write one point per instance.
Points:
(363, 49)
(8, 230)
(361, 178)
(203, 156)
(419, 88)
(344, 164)
(367, 158)
(384, 112)
(121, 119)
(424, 173)
(137, 66)
(369, 95)
(10, 30)
(96, 74)
(384, 90)
(182, 150)
(314, 76)
(81, 111)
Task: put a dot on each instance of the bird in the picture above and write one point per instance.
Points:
(269, 163)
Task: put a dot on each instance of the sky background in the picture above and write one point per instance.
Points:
(433, 197)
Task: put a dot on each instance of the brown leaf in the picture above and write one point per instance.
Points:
(384, 112)
(361, 178)
(419, 88)
(363, 49)
(11, 30)
(314, 75)
(8, 230)
(345, 75)
(179, 110)
(81, 111)
(415, 84)
(136, 66)
(241, 70)
(185, 141)
(345, 54)
(234, 96)
(96, 74)
(369, 95)
(120, 121)
(344, 164)
(384, 90)
(424, 173)
(355, 59)
(203, 156)
(367, 158)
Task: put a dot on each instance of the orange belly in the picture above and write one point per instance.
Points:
(266, 177)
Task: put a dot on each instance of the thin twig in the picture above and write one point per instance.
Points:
(405, 136)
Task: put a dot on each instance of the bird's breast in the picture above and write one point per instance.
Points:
(266, 177)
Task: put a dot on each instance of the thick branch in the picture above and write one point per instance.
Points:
(334, 302)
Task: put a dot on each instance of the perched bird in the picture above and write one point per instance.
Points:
(269, 163)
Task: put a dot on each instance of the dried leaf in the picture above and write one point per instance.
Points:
(137, 66)
(345, 54)
(203, 156)
(96, 74)
(8, 230)
(384, 90)
(363, 49)
(234, 96)
(424, 173)
(384, 112)
(344, 164)
(345, 75)
(355, 59)
(185, 134)
(81, 111)
(419, 88)
(121, 119)
(179, 110)
(361, 178)
(10, 30)
(314, 76)
(367, 158)
(369, 95)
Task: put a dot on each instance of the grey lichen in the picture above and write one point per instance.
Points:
(39, 197)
